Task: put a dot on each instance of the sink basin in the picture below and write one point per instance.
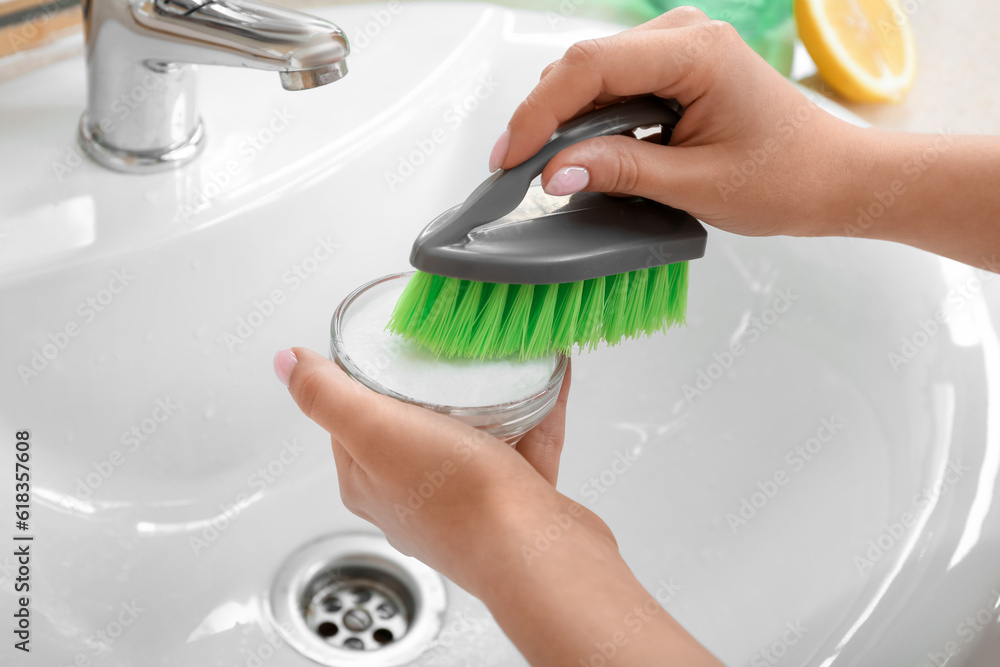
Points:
(810, 466)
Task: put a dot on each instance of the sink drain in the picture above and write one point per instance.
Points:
(360, 612)
(352, 600)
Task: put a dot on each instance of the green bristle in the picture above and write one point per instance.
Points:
(635, 304)
(657, 298)
(433, 292)
(567, 316)
(515, 322)
(655, 289)
(439, 316)
(458, 318)
(487, 330)
(408, 313)
(677, 308)
(543, 308)
(615, 302)
(591, 313)
(463, 322)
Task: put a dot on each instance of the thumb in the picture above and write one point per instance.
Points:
(625, 165)
(372, 428)
(328, 396)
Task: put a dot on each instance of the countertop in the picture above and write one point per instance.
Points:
(958, 80)
(957, 89)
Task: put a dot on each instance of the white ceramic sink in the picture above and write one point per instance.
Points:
(150, 307)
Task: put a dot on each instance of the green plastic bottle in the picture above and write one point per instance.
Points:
(766, 25)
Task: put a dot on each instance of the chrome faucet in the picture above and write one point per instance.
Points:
(141, 114)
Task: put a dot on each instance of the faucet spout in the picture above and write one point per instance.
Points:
(141, 114)
(243, 33)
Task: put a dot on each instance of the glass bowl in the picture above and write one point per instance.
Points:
(505, 398)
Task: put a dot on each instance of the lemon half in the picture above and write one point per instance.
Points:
(863, 48)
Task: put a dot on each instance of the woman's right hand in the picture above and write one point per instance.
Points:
(751, 154)
(745, 156)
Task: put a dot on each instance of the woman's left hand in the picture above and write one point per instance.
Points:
(433, 485)
(489, 518)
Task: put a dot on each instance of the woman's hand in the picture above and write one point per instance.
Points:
(439, 489)
(743, 156)
(751, 154)
(488, 517)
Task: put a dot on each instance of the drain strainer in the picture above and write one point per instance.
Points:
(351, 600)
(359, 612)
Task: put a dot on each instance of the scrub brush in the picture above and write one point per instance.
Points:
(497, 276)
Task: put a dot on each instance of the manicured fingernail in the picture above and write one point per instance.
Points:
(568, 180)
(284, 362)
(499, 151)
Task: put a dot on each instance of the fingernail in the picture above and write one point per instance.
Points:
(499, 151)
(568, 180)
(284, 362)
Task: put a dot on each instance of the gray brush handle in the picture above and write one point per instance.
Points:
(501, 193)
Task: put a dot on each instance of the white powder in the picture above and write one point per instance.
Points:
(407, 369)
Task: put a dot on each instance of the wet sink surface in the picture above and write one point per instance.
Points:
(806, 472)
